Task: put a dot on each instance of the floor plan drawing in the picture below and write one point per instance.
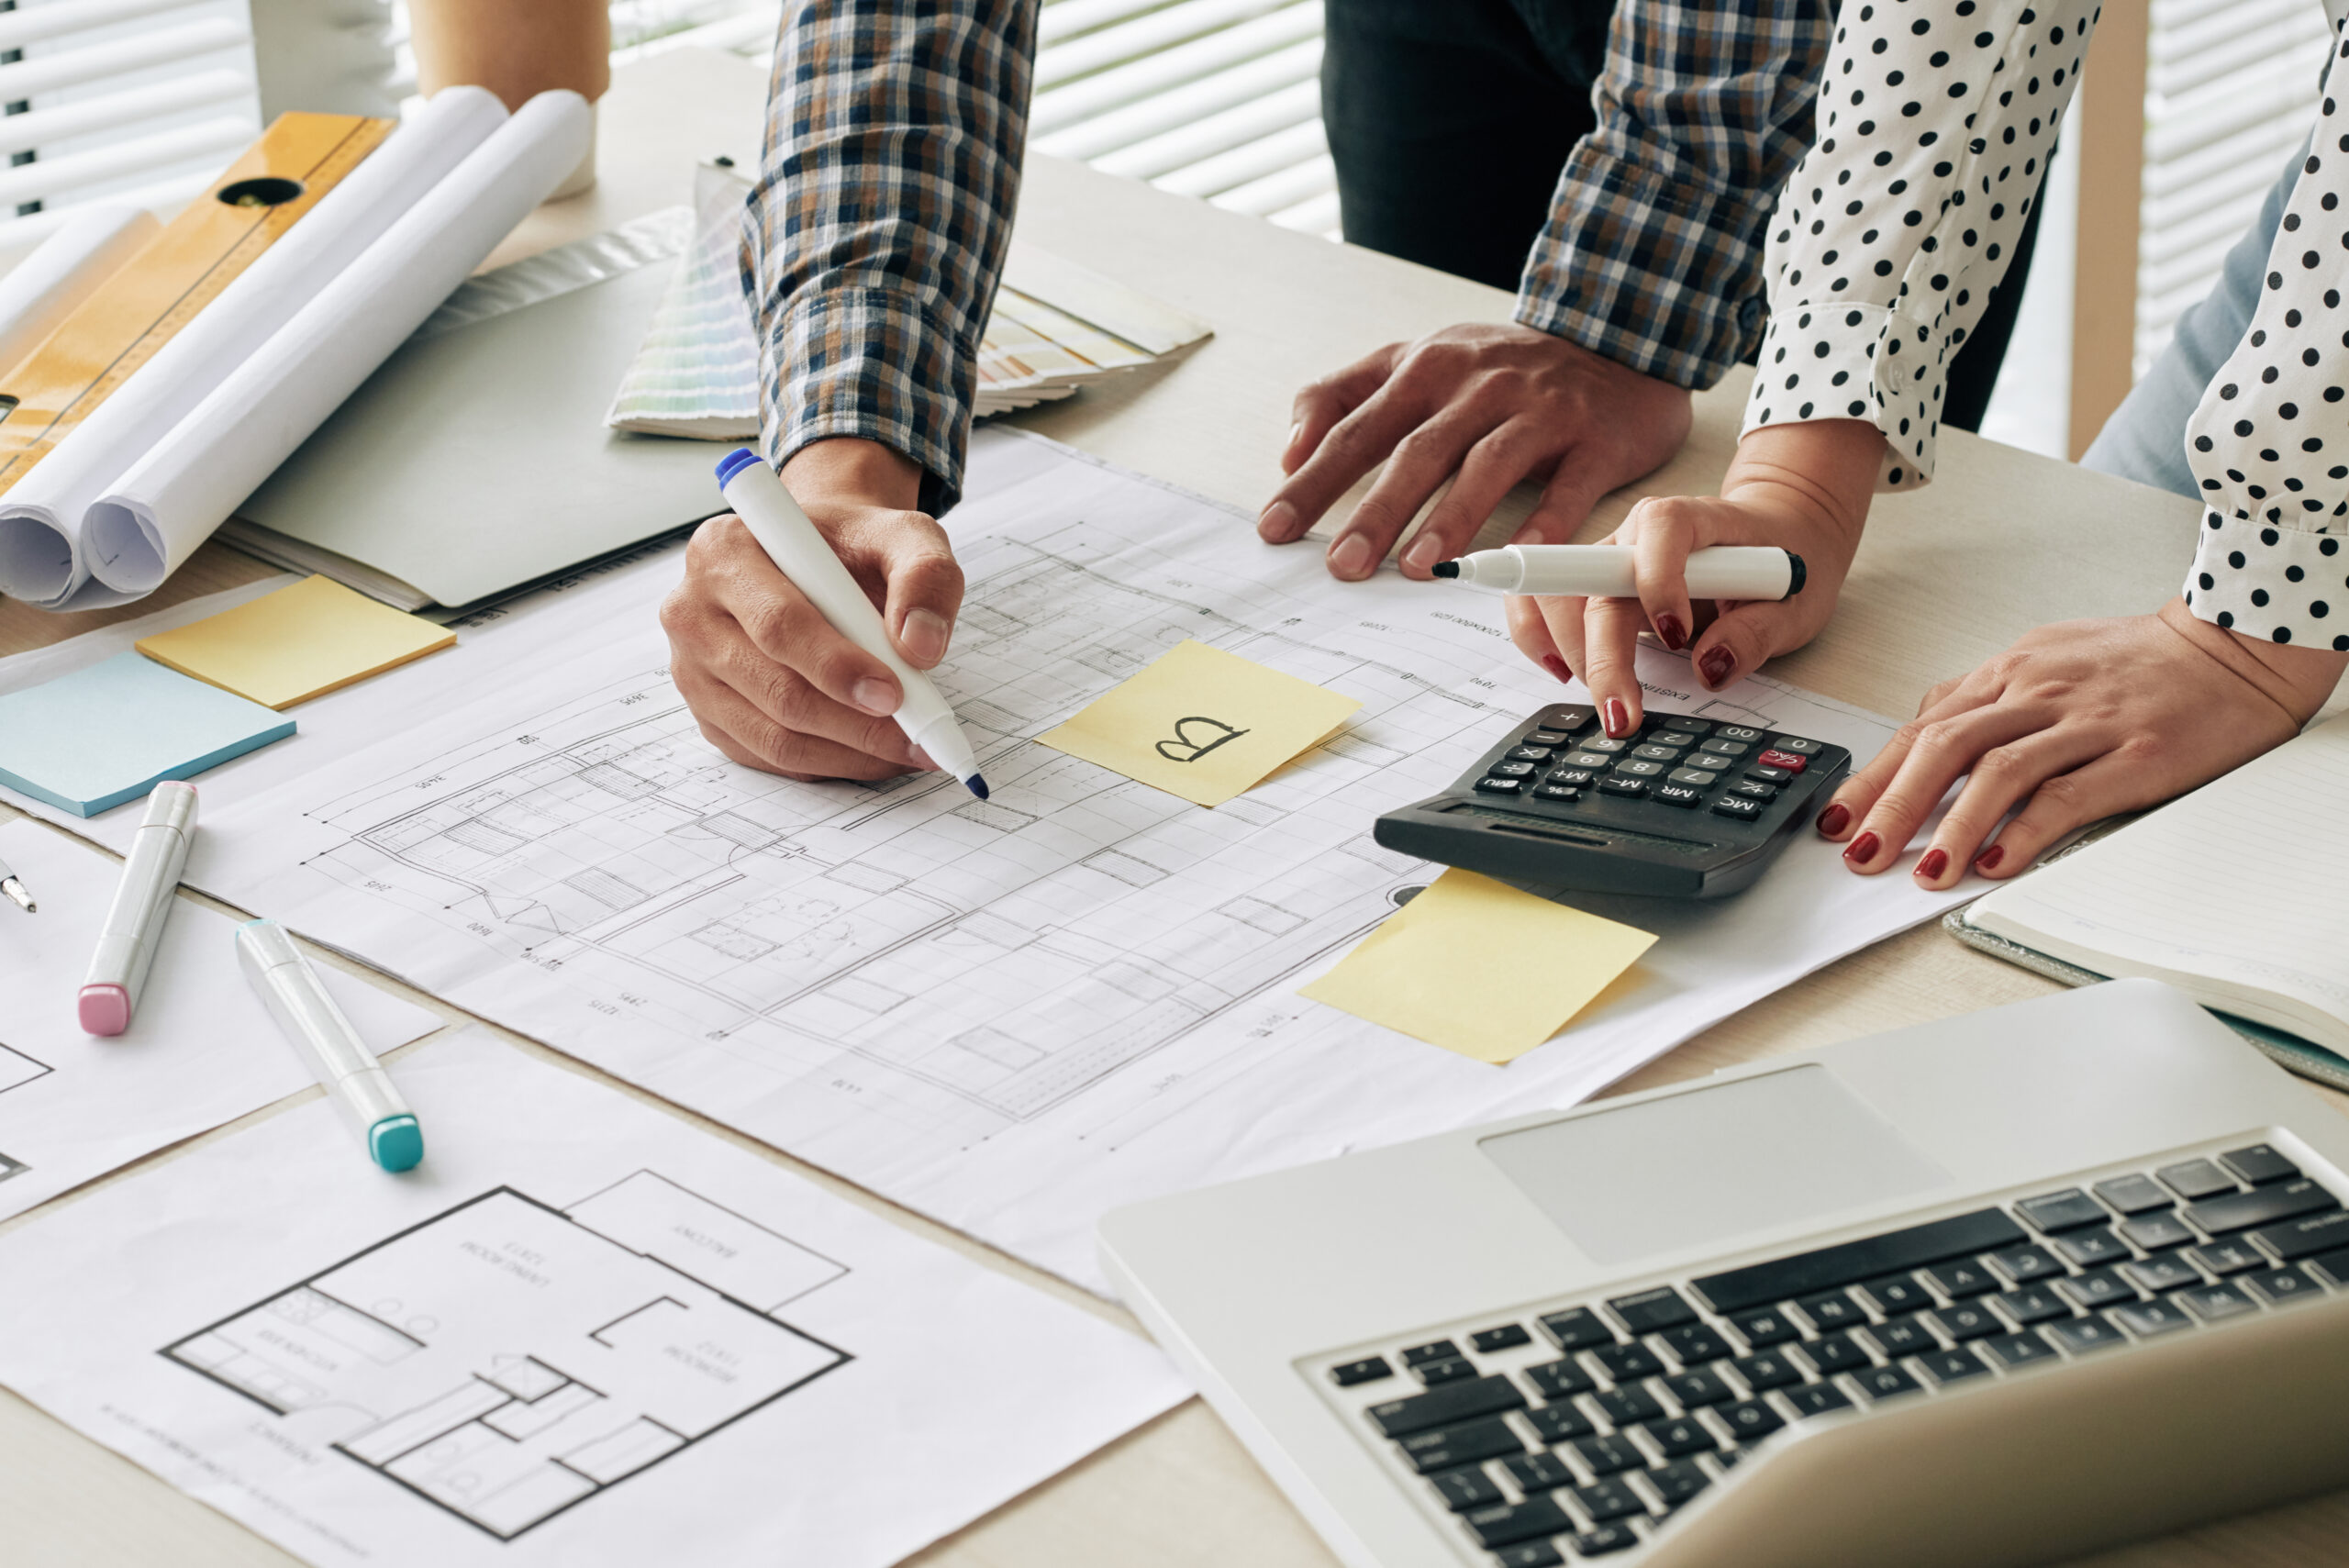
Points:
(18, 1069)
(508, 1359)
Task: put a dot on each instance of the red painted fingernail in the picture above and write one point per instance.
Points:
(1718, 664)
(1932, 864)
(1863, 848)
(1619, 718)
(1834, 819)
(1556, 666)
(1669, 628)
(1988, 859)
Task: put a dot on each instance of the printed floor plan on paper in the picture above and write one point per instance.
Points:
(508, 1359)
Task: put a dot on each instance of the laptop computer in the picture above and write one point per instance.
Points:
(1998, 1289)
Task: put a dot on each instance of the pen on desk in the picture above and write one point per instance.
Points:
(800, 552)
(142, 902)
(361, 1091)
(1605, 570)
(14, 887)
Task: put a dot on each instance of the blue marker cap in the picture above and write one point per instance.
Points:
(397, 1142)
(733, 463)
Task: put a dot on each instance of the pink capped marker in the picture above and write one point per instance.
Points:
(142, 901)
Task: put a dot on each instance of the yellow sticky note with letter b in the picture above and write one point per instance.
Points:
(1475, 966)
(1202, 724)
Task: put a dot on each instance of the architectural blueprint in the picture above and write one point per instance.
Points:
(1016, 1012)
(201, 1051)
(581, 1334)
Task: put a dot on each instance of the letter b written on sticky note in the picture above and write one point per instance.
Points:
(1202, 724)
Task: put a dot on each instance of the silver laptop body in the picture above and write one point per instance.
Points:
(1998, 1289)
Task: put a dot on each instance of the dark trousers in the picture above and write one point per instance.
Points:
(1450, 122)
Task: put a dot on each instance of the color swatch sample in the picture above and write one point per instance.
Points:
(88, 741)
(1475, 966)
(297, 643)
(1202, 724)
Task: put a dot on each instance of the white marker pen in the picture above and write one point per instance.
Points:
(1604, 570)
(800, 552)
(361, 1091)
(142, 902)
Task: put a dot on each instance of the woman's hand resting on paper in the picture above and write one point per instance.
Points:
(774, 686)
(2076, 722)
(1803, 487)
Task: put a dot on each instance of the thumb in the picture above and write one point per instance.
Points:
(1744, 638)
(922, 584)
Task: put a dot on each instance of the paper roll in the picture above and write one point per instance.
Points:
(85, 251)
(140, 532)
(53, 499)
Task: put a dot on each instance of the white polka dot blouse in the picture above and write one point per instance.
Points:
(1935, 122)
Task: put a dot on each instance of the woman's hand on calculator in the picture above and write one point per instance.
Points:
(1803, 487)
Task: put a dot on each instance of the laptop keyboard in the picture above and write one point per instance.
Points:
(1575, 1430)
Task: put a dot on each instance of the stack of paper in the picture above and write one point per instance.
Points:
(1055, 328)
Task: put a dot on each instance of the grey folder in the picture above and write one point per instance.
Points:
(475, 461)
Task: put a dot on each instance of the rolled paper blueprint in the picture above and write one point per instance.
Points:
(85, 251)
(149, 522)
(44, 545)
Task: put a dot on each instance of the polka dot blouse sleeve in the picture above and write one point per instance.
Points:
(2270, 442)
(1935, 121)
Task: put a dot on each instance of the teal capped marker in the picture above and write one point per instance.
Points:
(361, 1091)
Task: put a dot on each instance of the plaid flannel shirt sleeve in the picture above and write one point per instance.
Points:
(1651, 255)
(880, 220)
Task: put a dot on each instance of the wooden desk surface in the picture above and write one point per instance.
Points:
(2002, 541)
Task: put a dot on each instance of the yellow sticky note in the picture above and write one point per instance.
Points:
(1202, 724)
(1475, 966)
(297, 643)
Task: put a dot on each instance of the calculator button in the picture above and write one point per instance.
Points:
(1596, 761)
(1738, 732)
(1630, 788)
(1738, 806)
(1530, 754)
(1680, 795)
(1511, 770)
(1727, 747)
(1605, 743)
(1557, 792)
(1500, 786)
(1696, 776)
(1639, 769)
(1657, 753)
(1775, 758)
(1547, 738)
(1573, 778)
(1751, 790)
(1679, 721)
(1712, 760)
(1676, 736)
(1763, 773)
(1798, 745)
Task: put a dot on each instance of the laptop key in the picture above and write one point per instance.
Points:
(1882, 1382)
(2169, 1271)
(1834, 1353)
(1457, 1370)
(1957, 1280)
(2032, 1304)
(2133, 1193)
(1445, 1406)
(1626, 1364)
(1508, 1337)
(2216, 1303)
(1472, 1442)
(2306, 1238)
(2259, 1164)
(1694, 1344)
(1815, 1399)
(2157, 1232)
(1577, 1328)
(1604, 1540)
(1512, 1522)
(2101, 1288)
(1832, 1309)
(2080, 1335)
(1559, 1380)
(1559, 1423)
(1903, 1337)
(1749, 1420)
(1609, 1499)
(1966, 1320)
(1766, 1370)
(1901, 1293)
(1607, 1456)
(2261, 1206)
(2024, 1264)
(1695, 1390)
(1369, 1370)
(1528, 1554)
(2334, 1266)
(2147, 1319)
(2067, 1210)
(1649, 1310)
(1764, 1329)
(1678, 1482)
(1434, 1350)
(1464, 1489)
(2093, 1249)
(2227, 1257)
(2019, 1350)
(1849, 1263)
(2195, 1179)
(1679, 1439)
(1945, 1367)
(2278, 1286)
(1538, 1472)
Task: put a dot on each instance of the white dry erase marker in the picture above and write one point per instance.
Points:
(361, 1091)
(800, 553)
(1604, 570)
(142, 902)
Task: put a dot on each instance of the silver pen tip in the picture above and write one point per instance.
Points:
(15, 891)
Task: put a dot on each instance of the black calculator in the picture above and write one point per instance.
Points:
(1684, 808)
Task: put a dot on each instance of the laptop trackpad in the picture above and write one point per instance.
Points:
(1713, 1163)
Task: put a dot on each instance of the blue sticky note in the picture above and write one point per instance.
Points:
(88, 741)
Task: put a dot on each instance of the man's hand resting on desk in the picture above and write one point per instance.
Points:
(1484, 407)
(772, 685)
(2078, 721)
